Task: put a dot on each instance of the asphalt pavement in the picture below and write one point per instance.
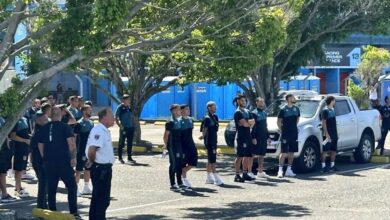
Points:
(141, 191)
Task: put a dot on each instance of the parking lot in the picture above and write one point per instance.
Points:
(141, 191)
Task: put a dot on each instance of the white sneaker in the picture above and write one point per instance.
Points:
(22, 193)
(262, 175)
(209, 179)
(28, 176)
(86, 190)
(290, 173)
(10, 174)
(186, 182)
(218, 180)
(252, 175)
(280, 174)
(78, 193)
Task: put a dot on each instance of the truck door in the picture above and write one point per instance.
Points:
(346, 124)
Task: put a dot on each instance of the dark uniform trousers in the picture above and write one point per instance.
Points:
(381, 142)
(42, 187)
(126, 133)
(101, 175)
(54, 173)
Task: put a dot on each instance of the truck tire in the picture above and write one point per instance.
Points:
(309, 158)
(364, 150)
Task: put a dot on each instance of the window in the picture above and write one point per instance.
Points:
(342, 107)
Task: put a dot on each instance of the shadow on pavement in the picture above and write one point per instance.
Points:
(242, 210)
(140, 217)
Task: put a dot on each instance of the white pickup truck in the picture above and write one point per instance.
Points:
(357, 130)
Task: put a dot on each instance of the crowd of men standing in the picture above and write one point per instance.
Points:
(60, 142)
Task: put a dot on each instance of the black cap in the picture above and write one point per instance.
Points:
(125, 96)
(89, 102)
(184, 106)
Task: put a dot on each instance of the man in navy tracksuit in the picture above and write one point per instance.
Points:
(385, 114)
(188, 144)
(173, 142)
(125, 120)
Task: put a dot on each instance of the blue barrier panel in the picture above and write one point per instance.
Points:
(283, 85)
(149, 110)
(164, 100)
(101, 97)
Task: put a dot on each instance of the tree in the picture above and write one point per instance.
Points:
(145, 68)
(374, 60)
(307, 26)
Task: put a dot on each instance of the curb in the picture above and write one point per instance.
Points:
(380, 159)
(51, 215)
(197, 124)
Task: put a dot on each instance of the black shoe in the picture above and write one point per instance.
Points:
(182, 186)
(334, 169)
(324, 170)
(239, 179)
(130, 160)
(382, 151)
(247, 177)
(174, 188)
(121, 161)
(77, 216)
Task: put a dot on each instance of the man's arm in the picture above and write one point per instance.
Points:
(325, 128)
(15, 137)
(92, 154)
(72, 150)
(165, 138)
(280, 123)
(41, 148)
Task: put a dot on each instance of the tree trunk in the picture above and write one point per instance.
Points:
(25, 103)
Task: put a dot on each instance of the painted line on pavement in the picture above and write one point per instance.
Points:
(362, 169)
(18, 202)
(145, 205)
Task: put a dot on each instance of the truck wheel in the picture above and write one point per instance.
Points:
(364, 151)
(309, 158)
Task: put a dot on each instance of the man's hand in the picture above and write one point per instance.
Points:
(201, 137)
(254, 141)
(73, 162)
(88, 164)
(269, 141)
(251, 122)
(27, 141)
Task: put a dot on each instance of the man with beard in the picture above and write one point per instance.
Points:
(260, 136)
(288, 119)
(243, 121)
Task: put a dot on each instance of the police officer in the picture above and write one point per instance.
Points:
(57, 147)
(100, 155)
(385, 115)
(173, 142)
(82, 130)
(209, 129)
(5, 165)
(243, 121)
(288, 119)
(124, 119)
(20, 135)
(74, 107)
(43, 117)
(188, 144)
(329, 127)
(260, 135)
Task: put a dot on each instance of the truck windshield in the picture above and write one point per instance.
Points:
(308, 108)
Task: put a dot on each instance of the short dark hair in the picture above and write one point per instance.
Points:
(45, 107)
(289, 96)
(184, 106)
(85, 107)
(102, 113)
(329, 99)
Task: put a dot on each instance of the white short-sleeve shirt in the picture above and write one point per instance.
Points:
(100, 137)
